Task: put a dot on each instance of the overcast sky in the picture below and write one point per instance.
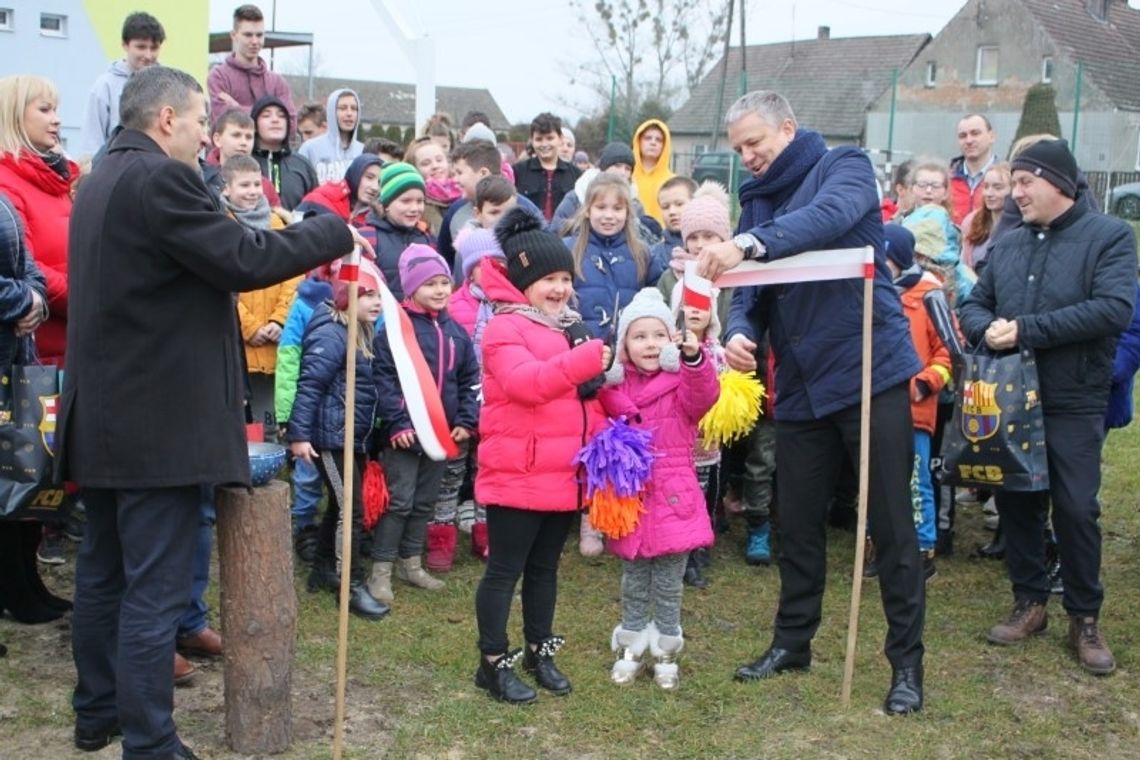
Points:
(521, 50)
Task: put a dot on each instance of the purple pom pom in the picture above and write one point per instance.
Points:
(619, 457)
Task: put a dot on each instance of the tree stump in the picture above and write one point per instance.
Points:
(259, 616)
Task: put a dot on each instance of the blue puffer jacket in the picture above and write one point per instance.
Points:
(19, 276)
(608, 271)
(1124, 372)
(450, 355)
(318, 408)
(816, 327)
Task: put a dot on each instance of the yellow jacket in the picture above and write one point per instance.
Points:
(649, 182)
(259, 307)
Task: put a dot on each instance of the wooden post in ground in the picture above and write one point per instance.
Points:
(259, 616)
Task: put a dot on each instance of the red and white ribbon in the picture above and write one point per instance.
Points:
(421, 395)
(809, 266)
(350, 266)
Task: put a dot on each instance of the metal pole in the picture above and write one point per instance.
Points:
(310, 71)
(613, 115)
(272, 28)
(719, 113)
(891, 123)
(743, 57)
(1077, 106)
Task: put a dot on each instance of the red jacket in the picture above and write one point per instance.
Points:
(43, 200)
(962, 201)
(932, 352)
(532, 422)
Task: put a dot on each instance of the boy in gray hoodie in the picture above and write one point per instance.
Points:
(143, 36)
(331, 153)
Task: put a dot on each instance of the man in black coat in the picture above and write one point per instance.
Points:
(1062, 285)
(151, 408)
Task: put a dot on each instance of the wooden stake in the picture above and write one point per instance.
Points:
(864, 466)
(346, 518)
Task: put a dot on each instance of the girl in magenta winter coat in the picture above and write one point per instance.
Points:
(666, 391)
(541, 372)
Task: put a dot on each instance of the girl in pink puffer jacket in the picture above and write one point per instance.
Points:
(666, 391)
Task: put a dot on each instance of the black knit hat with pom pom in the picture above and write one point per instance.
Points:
(532, 252)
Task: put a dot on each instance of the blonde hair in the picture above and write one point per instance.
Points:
(600, 185)
(364, 334)
(16, 92)
(983, 223)
(932, 165)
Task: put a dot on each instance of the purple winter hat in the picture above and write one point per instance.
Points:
(418, 264)
(474, 245)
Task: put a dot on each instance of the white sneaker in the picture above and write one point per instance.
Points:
(990, 507)
(966, 496)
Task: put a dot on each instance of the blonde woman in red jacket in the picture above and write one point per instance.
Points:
(541, 372)
(37, 178)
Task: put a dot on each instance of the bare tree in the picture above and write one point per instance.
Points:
(657, 50)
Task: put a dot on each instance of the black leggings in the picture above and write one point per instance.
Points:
(527, 543)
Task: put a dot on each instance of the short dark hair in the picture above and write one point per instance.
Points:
(143, 26)
(149, 90)
(475, 117)
(982, 116)
(247, 12)
(236, 117)
(494, 189)
(545, 123)
(479, 154)
(314, 112)
(378, 145)
(901, 174)
(678, 180)
(239, 164)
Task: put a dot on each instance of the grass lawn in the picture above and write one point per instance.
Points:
(410, 691)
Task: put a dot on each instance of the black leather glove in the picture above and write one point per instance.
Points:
(577, 334)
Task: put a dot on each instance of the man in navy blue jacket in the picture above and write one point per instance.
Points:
(803, 197)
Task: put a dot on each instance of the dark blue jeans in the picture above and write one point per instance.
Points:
(197, 613)
(133, 576)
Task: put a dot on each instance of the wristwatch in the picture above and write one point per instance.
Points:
(748, 245)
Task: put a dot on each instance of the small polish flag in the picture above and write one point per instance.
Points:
(350, 266)
(696, 290)
(809, 266)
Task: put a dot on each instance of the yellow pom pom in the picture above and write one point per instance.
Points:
(615, 516)
(735, 412)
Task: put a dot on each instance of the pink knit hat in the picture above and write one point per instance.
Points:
(707, 212)
(418, 264)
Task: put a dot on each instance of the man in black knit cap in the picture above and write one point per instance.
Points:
(1061, 285)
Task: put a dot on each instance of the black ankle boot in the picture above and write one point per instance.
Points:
(499, 680)
(323, 575)
(694, 576)
(540, 664)
(363, 604)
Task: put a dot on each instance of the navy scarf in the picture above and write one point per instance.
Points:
(760, 196)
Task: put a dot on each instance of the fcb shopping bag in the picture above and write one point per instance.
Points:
(996, 438)
(28, 398)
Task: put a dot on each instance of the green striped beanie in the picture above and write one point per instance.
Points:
(396, 179)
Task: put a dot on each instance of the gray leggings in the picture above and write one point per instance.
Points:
(655, 583)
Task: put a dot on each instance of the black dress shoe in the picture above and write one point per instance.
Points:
(905, 696)
(499, 680)
(540, 664)
(774, 661)
(95, 739)
(184, 753)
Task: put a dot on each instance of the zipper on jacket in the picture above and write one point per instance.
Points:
(439, 358)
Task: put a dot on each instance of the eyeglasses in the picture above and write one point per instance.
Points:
(930, 185)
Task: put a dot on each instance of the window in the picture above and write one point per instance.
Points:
(1047, 69)
(5, 19)
(986, 71)
(931, 73)
(53, 25)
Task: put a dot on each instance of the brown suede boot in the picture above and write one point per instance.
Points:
(1027, 619)
(1087, 641)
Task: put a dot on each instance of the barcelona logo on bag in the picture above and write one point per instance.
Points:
(47, 421)
(981, 415)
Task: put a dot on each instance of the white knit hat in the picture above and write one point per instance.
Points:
(648, 302)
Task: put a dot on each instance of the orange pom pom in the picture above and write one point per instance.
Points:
(615, 516)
